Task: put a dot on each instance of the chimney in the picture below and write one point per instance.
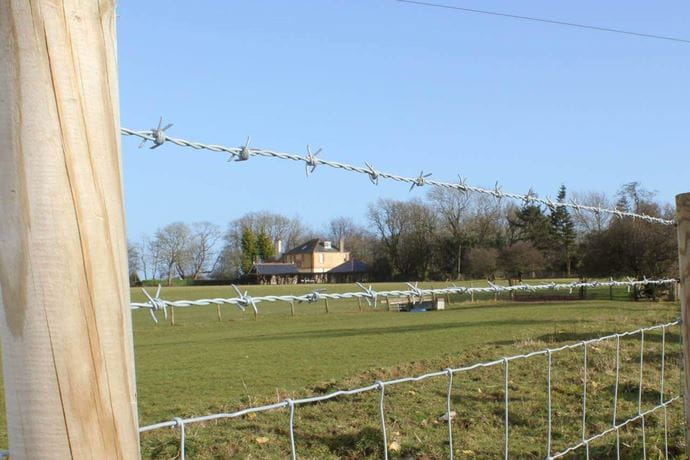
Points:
(279, 249)
(342, 244)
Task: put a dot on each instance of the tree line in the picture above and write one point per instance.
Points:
(447, 235)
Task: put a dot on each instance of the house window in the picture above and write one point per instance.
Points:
(321, 258)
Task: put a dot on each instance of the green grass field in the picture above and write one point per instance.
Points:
(203, 365)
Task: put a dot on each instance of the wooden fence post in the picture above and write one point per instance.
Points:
(292, 308)
(220, 317)
(326, 302)
(65, 319)
(172, 315)
(683, 227)
(672, 292)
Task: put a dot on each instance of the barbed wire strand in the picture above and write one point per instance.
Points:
(155, 303)
(311, 161)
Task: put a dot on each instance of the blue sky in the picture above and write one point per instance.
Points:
(404, 87)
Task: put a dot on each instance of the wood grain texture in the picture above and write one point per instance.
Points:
(65, 319)
(683, 227)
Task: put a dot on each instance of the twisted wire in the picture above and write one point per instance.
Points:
(156, 303)
(311, 161)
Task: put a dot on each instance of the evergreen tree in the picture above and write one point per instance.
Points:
(531, 224)
(264, 246)
(249, 249)
(563, 233)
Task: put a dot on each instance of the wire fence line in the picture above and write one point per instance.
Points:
(616, 425)
(244, 300)
(311, 161)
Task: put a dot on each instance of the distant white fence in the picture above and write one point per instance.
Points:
(244, 300)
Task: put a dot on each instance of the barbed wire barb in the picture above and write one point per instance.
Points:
(244, 300)
(156, 303)
(311, 161)
(157, 135)
(373, 174)
(370, 296)
(420, 180)
(244, 152)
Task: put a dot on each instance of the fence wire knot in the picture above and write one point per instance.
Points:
(157, 135)
(313, 296)
(416, 291)
(551, 204)
(243, 154)
(497, 191)
(462, 184)
(311, 160)
(574, 204)
(529, 197)
(370, 296)
(373, 174)
(156, 303)
(420, 180)
(494, 287)
(245, 300)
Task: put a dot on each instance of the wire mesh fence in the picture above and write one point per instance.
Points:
(606, 396)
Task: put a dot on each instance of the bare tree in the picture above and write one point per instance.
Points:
(587, 222)
(203, 239)
(357, 239)
(452, 206)
(172, 242)
(467, 220)
(133, 262)
(153, 253)
(340, 228)
(406, 230)
(143, 253)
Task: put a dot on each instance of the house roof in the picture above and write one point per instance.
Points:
(351, 266)
(274, 269)
(315, 245)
